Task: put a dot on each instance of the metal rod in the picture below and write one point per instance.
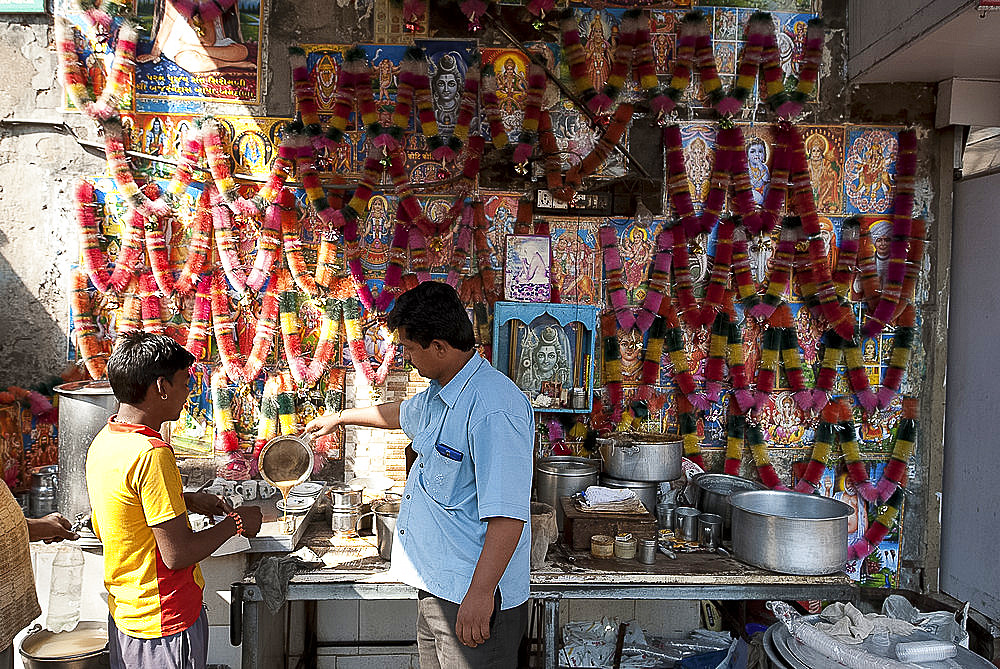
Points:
(595, 123)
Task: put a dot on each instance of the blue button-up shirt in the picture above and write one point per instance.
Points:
(474, 439)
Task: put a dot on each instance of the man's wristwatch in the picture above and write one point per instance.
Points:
(236, 519)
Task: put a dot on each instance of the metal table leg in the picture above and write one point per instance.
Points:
(551, 627)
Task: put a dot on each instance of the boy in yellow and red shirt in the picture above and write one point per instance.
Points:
(140, 513)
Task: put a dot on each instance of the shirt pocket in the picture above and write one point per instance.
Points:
(442, 479)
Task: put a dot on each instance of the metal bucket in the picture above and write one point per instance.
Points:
(562, 476)
(85, 647)
(709, 493)
(644, 490)
(386, 511)
(84, 410)
(341, 495)
(638, 456)
(790, 532)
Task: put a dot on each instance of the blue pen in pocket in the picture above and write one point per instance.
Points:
(449, 452)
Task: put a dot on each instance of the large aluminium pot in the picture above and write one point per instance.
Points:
(790, 532)
(709, 493)
(84, 409)
(85, 647)
(562, 476)
(639, 456)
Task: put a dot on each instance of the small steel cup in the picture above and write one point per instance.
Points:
(686, 523)
(665, 515)
(709, 530)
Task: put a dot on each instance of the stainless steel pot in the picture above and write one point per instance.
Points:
(644, 490)
(709, 493)
(638, 456)
(562, 476)
(82, 648)
(342, 494)
(790, 532)
(386, 511)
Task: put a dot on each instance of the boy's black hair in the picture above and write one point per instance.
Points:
(139, 359)
(432, 311)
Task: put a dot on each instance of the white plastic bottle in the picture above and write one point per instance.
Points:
(65, 589)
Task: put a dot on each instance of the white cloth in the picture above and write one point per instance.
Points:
(595, 495)
(847, 624)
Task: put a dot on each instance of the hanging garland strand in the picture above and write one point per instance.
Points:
(201, 314)
(902, 225)
(93, 258)
(306, 374)
(878, 530)
(200, 243)
(532, 113)
(239, 369)
(906, 438)
(89, 347)
(75, 80)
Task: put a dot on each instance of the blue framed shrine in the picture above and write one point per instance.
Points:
(548, 351)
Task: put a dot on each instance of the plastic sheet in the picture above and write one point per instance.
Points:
(846, 655)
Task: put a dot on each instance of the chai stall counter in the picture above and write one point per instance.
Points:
(360, 574)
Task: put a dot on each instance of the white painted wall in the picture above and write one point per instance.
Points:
(970, 522)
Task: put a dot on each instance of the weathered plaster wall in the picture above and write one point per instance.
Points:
(37, 167)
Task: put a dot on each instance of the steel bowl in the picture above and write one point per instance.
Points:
(710, 493)
(790, 532)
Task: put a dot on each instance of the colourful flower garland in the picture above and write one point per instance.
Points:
(157, 253)
(306, 374)
(114, 150)
(191, 151)
(878, 530)
(656, 282)
(269, 241)
(292, 244)
(201, 314)
(356, 345)
(749, 63)
(226, 245)
(218, 165)
(130, 252)
(239, 369)
(805, 83)
(532, 114)
(200, 244)
(491, 108)
(906, 166)
(88, 346)
(93, 259)
(780, 274)
(75, 80)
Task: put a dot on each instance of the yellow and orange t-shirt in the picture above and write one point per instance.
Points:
(134, 484)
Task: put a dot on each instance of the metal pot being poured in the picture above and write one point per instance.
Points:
(286, 461)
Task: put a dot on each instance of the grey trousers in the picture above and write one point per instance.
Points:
(439, 647)
(184, 650)
(7, 657)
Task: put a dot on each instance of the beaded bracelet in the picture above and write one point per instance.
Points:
(236, 519)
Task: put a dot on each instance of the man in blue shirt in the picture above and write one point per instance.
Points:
(462, 537)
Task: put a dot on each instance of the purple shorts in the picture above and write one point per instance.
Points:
(184, 650)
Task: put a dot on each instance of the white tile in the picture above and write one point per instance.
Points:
(390, 650)
(337, 620)
(672, 619)
(337, 651)
(220, 651)
(219, 574)
(375, 662)
(388, 619)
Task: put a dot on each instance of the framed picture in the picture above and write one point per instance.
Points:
(527, 272)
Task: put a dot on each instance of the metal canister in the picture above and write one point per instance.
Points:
(42, 497)
(344, 519)
(625, 546)
(647, 551)
(578, 398)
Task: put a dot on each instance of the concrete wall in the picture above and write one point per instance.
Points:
(970, 516)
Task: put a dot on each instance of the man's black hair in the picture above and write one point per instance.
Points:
(139, 359)
(432, 311)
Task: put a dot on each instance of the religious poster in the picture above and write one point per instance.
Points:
(527, 273)
(184, 61)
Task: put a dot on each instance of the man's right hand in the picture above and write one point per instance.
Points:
(252, 518)
(323, 425)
